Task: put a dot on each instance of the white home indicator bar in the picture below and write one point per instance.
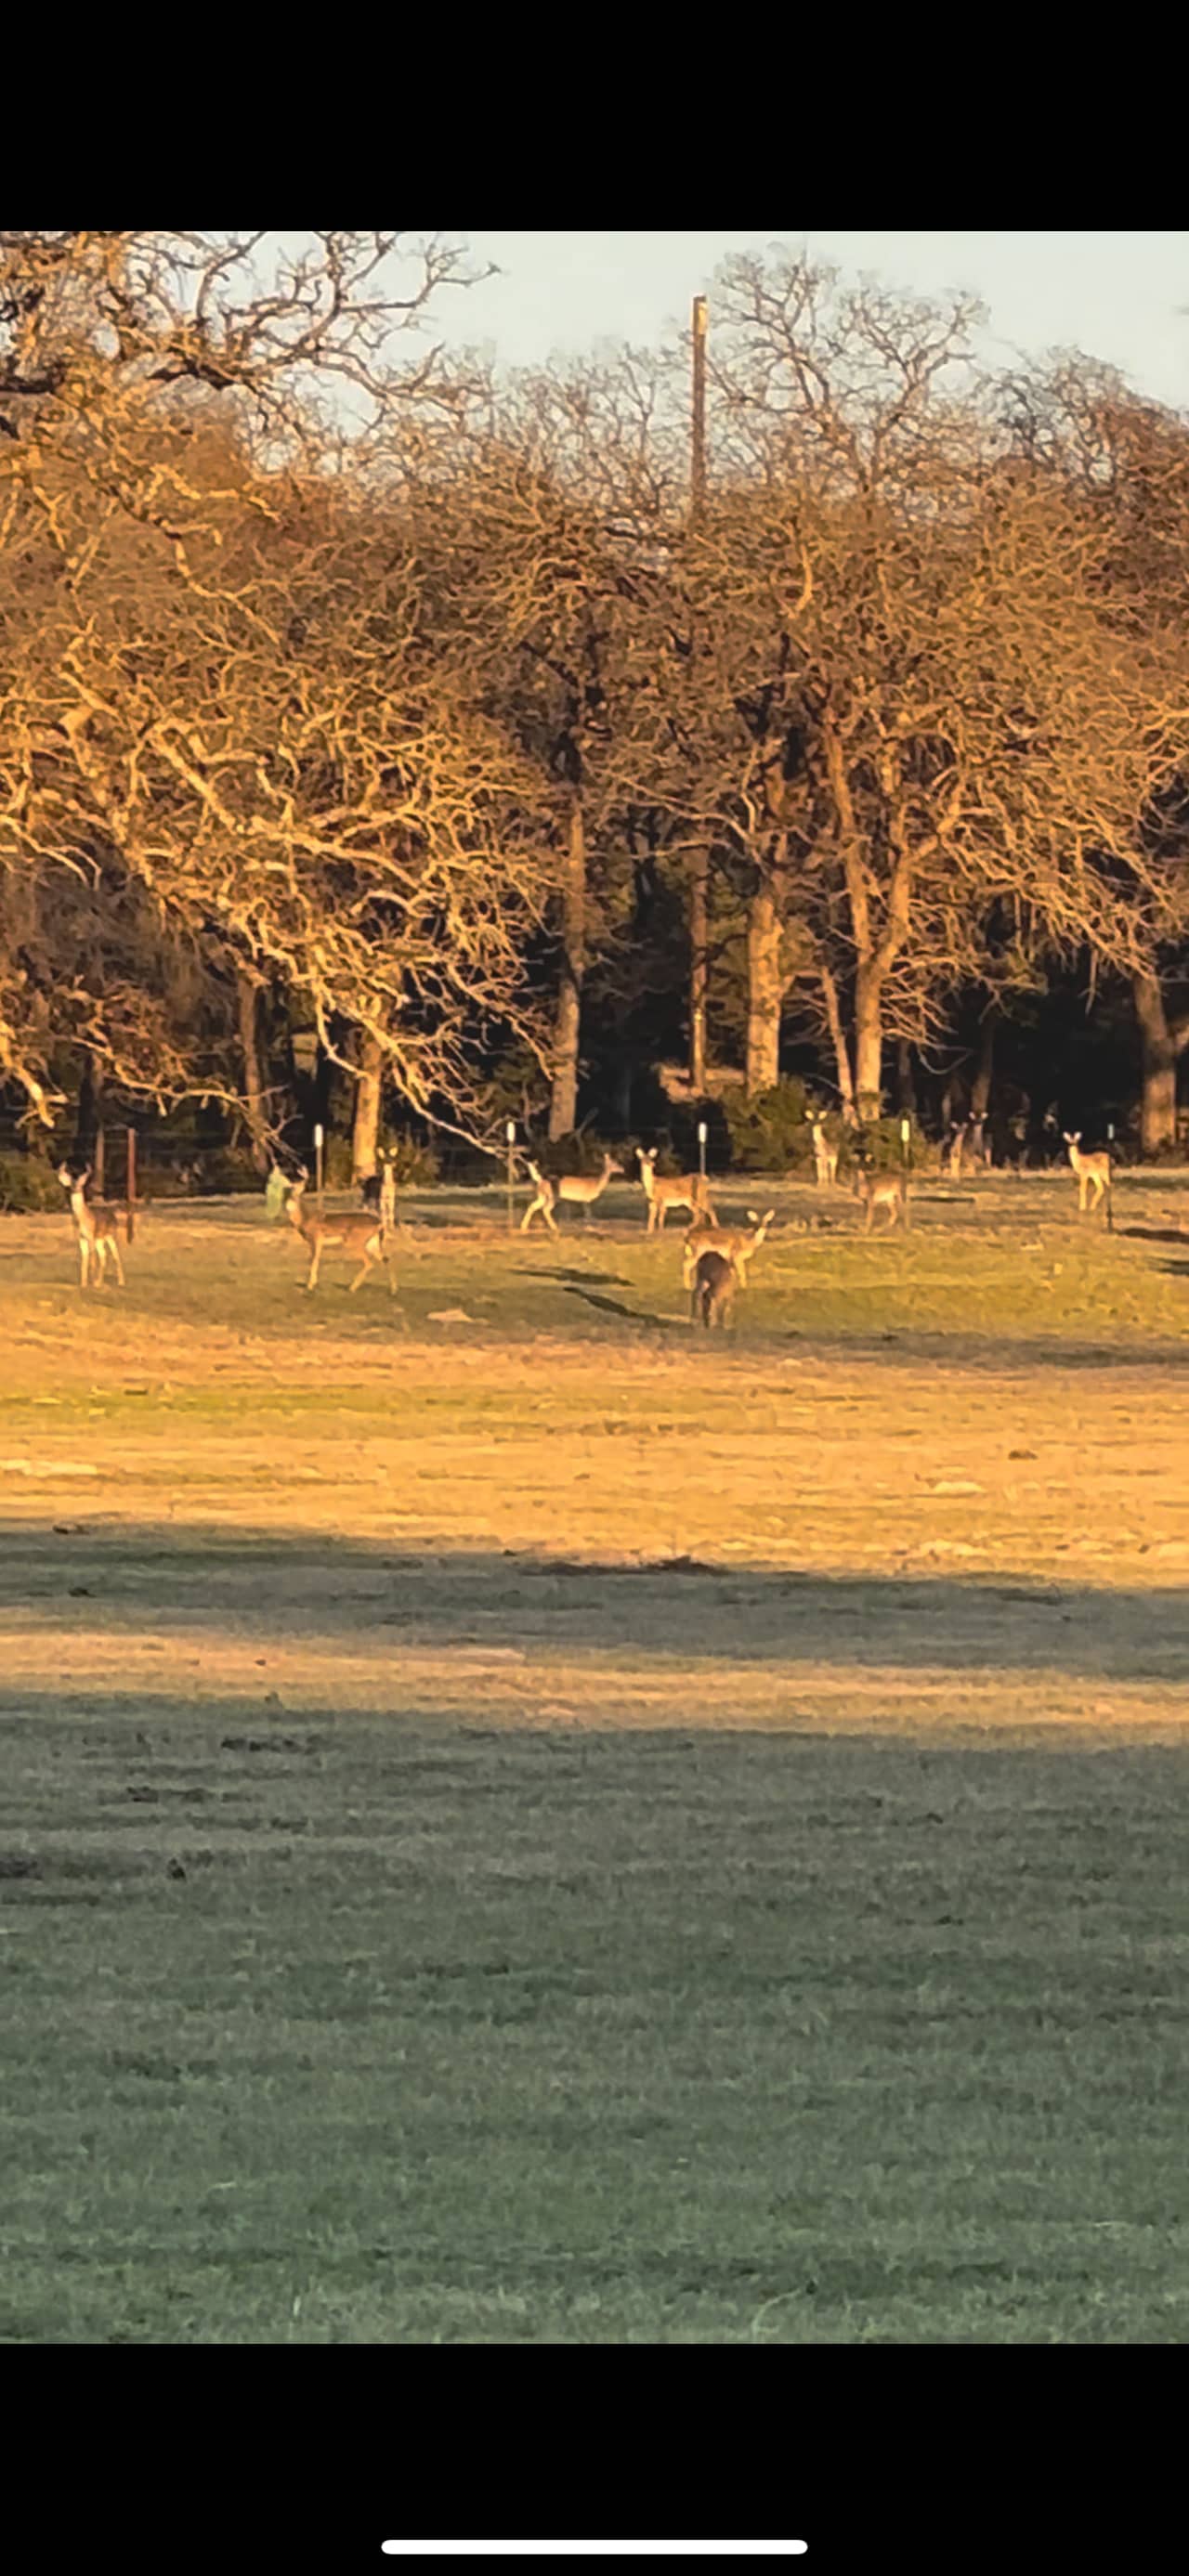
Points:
(594, 2548)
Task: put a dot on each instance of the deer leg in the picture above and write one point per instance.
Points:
(115, 1254)
(84, 1261)
(360, 1274)
(312, 1281)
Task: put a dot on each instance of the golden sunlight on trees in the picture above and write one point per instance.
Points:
(343, 682)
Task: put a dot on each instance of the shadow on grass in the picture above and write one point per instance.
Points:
(633, 1314)
(254, 1586)
(998, 1352)
(577, 1278)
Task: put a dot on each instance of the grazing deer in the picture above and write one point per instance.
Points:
(883, 1189)
(736, 1244)
(362, 1235)
(689, 1190)
(715, 1281)
(579, 1189)
(1093, 1173)
(96, 1228)
(825, 1154)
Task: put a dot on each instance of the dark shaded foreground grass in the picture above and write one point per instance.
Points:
(334, 2028)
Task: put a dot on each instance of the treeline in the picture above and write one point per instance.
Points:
(390, 741)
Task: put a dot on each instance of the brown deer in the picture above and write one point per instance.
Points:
(688, 1190)
(737, 1244)
(883, 1189)
(96, 1224)
(715, 1282)
(363, 1236)
(825, 1154)
(577, 1189)
(1094, 1173)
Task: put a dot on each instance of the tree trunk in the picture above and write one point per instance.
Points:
(366, 1127)
(846, 1087)
(980, 1093)
(1159, 1048)
(247, 993)
(868, 1039)
(906, 1098)
(765, 991)
(699, 970)
(563, 1108)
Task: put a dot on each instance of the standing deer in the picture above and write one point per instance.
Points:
(379, 1192)
(825, 1154)
(96, 1226)
(714, 1290)
(883, 1189)
(364, 1236)
(689, 1190)
(1093, 1173)
(579, 1189)
(736, 1244)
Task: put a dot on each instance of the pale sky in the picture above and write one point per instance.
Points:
(1113, 295)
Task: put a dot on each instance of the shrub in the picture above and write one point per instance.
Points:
(581, 1154)
(771, 1133)
(28, 1186)
(224, 1169)
(878, 1147)
(417, 1166)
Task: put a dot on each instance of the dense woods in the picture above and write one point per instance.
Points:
(387, 740)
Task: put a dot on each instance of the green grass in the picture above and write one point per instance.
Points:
(445, 2034)
(562, 1828)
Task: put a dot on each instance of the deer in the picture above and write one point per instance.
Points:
(689, 1191)
(715, 1282)
(736, 1244)
(379, 1192)
(575, 1188)
(825, 1154)
(1093, 1173)
(96, 1226)
(952, 1151)
(883, 1189)
(364, 1236)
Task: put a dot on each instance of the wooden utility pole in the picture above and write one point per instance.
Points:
(697, 463)
(699, 865)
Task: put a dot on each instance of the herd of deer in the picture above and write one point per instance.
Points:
(715, 1258)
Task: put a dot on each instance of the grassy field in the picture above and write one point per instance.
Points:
(526, 1822)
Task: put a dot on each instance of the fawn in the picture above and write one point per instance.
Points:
(364, 1236)
(883, 1189)
(96, 1228)
(1093, 1173)
(688, 1191)
(575, 1188)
